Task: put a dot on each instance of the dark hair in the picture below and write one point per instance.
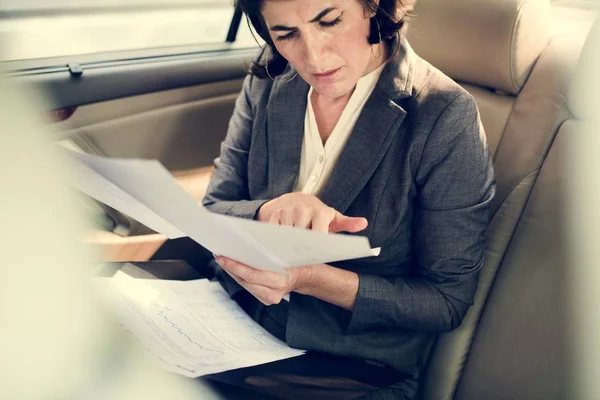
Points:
(390, 17)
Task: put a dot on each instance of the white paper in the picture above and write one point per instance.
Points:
(192, 328)
(99, 188)
(254, 243)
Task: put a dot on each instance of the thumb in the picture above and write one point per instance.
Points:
(342, 223)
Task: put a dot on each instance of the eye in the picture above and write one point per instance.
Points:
(327, 24)
(286, 36)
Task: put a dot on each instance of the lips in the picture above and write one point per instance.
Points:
(327, 76)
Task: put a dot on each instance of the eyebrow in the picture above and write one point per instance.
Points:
(315, 19)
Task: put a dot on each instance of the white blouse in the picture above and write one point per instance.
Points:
(317, 160)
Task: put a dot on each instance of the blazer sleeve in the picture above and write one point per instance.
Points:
(227, 191)
(455, 185)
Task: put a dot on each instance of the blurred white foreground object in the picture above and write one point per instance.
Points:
(583, 162)
(55, 340)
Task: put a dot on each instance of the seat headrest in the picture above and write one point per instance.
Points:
(584, 92)
(491, 43)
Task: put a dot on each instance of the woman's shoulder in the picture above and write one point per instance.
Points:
(256, 90)
(443, 112)
(434, 91)
(255, 85)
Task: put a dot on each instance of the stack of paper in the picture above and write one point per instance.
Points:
(192, 328)
(146, 191)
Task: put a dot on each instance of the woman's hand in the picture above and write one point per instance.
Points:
(333, 285)
(307, 211)
(267, 286)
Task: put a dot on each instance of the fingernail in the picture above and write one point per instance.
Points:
(219, 261)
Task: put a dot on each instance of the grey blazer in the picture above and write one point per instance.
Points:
(416, 165)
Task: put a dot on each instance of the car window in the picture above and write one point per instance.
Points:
(37, 29)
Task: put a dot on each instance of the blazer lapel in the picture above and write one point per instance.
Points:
(372, 135)
(379, 121)
(285, 131)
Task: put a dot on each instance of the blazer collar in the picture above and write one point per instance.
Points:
(380, 119)
(398, 76)
(286, 109)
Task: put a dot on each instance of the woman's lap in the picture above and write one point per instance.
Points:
(313, 375)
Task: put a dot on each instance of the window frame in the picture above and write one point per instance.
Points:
(36, 66)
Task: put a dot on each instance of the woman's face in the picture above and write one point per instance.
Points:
(324, 40)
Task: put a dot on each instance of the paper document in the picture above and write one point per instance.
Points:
(101, 189)
(192, 328)
(151, 189)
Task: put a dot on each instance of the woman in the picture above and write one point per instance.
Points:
(341, 127)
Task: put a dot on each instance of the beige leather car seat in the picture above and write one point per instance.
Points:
(526, 344)
(504, 54)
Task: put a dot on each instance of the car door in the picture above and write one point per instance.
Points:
(146, 79)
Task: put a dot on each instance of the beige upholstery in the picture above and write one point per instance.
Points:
(499, 51)
(494, 109)
(539, 110)
(538, 320)
(519, 350)
(487, 43)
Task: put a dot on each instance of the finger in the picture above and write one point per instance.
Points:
(321, 222)
(302, 218)
(231, 274)
(235, 278)
(342, 223)
(245, 285)
(248, 274)
(265, 295)
(287, 217)
(274, 219)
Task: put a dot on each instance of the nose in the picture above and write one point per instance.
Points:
(315, 51)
